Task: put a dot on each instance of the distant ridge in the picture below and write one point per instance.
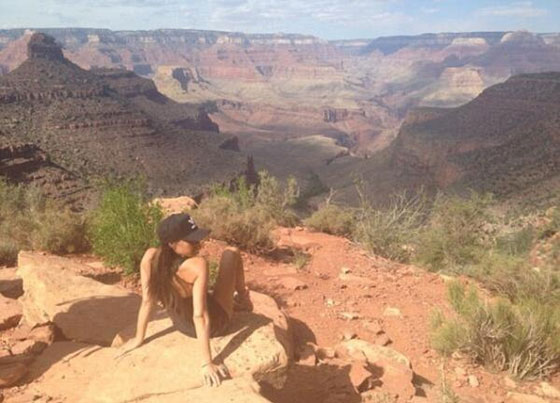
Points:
(506, 141)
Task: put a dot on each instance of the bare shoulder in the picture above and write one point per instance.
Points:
(147, 259)
(191, 268)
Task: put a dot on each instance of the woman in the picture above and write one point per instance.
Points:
(182, 288)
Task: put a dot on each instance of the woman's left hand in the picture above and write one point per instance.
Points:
(127, 348)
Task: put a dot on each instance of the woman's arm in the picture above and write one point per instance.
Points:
(147, 305)
(201, 318)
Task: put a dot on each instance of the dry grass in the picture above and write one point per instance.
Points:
(28, 220)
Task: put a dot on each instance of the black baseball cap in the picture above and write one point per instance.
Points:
(180, 226)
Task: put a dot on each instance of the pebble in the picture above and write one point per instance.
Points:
(291, 283)
(473, 381)
(547, 390)
(325, 352)
(383, 340)
(391, 311)
(373, 327)
(345, 270)
(349, 335)
(510, 383)
(349, 315)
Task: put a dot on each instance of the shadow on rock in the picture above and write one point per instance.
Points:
(97, 320)
(324, 383)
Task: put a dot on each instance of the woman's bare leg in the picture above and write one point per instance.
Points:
(230, 278)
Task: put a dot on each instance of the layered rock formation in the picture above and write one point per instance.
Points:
(76, 124)
(505, 141)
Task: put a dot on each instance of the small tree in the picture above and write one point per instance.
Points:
(123, 226)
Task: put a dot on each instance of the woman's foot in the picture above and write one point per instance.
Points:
(242, 302)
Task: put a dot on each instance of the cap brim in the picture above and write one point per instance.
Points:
(197, 235)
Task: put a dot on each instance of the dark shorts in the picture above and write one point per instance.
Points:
(183, 321)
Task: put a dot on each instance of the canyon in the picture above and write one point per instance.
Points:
(299, 104)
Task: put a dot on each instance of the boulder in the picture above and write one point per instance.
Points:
(167, 366)
(69, 372)
(10, 313)
(84, 309)
(173, 205)
(393, 369)
(10, 283)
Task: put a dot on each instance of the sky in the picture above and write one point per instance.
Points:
(327, 19)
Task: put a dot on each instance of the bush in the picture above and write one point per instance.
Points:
(520, 338)
(332, 219)
(124, 225)
(390, 232)
(245, 216)
(513, 277)
(28, 220)
(458, 234)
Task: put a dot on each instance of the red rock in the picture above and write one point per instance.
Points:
(307, 355)
(28, 347)
(11, 373)
(349, 334)
(291, 283)
(383, 340)
(21, 332)
(360, 377)
(373, 327)
(10, 313)
(324, 353)
(11, 285)
(349, 315)
(44, 334)
(24, 360)
(396, 371)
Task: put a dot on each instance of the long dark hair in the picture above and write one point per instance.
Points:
(162, 273)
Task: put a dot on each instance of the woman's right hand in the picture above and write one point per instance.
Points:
(212, 374)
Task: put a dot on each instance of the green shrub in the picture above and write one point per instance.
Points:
(458, 234)
(123, 225)
(515, 278)
(8, 252)
(520, 338)
(28, 220)
(390, 231)
(301, 259)
(332, 219)
(245, 216)
(517, 243)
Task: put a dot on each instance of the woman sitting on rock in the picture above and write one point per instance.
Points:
(175, 276)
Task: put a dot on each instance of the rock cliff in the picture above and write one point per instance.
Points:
(106, 123)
